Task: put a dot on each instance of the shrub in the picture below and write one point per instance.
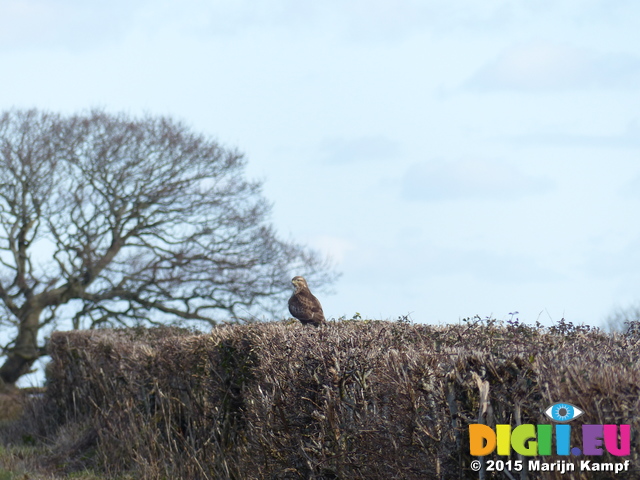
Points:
(354, 399)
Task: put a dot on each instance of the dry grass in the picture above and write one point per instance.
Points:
(11, 406)
(355, 399)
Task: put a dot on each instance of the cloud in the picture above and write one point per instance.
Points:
(336, 248)
(389, 20)
(630, 138)
(357, 20)
(621, 260)
(367, 148)
(69, 23)
(411, 261)
(492, 266)
(469, 179)
(632, 188)
(545, 66)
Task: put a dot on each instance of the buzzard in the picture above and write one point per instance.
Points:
(303, 305)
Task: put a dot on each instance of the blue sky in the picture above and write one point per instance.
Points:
(454, 158)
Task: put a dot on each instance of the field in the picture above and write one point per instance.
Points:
(352, 399)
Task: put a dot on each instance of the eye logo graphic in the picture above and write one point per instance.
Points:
(563, 412)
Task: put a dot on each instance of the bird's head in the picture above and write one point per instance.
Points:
(299, 282)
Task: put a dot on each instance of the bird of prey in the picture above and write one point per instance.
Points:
(303, 305)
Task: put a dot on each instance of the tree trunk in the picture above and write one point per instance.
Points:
(25, 352)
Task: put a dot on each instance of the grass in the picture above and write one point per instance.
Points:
(25, 463)
(20, 463)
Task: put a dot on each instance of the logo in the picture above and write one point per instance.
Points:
(530, 440)
(563, 412)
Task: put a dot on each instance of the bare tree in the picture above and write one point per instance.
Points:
(127, 221)
(622, 319)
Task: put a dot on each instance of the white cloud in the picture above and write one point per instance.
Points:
(548, 66)
(336, 248)
(357, 20)
(629, 138)
(632, 189)
(69, 23)
(367, 148)
(410, 260)
(613, 259)
(469, 179)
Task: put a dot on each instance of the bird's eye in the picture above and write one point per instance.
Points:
(563, 412)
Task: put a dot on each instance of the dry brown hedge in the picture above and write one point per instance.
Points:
(349, 400)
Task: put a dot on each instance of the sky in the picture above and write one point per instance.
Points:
(452, 158)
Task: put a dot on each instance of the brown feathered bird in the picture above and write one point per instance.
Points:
(303, 305)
